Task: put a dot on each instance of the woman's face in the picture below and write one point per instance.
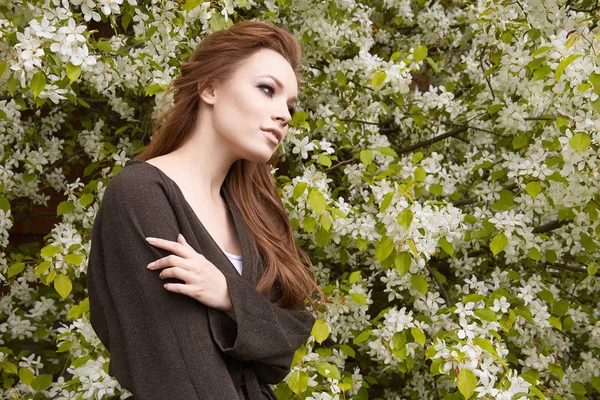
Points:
(252, 102)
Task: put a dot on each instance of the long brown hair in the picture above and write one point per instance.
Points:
(250, 184)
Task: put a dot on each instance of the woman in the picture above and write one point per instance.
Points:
(231, 314)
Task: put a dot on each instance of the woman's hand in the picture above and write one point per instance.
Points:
(203, 281)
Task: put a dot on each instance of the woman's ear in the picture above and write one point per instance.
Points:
(209, 94)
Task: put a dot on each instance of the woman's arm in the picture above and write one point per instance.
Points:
(262, 333)
(160, 342)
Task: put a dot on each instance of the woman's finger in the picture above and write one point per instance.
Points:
(179, 288)
(176, 272)
(169, 261)
(174, 247)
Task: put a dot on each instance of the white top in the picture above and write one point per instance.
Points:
(235, 260)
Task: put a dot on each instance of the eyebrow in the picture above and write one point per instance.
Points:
(278, 82)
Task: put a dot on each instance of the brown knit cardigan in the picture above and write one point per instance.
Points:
(166, 345)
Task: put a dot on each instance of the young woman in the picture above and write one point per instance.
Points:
(213, 306)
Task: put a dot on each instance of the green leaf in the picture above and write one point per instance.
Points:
(580, 141)
(9, 367)
(320, 330)
(557, 370)
(354, 277)
(555, 322)
(436, 189)
(561, 307)
(508, 320)
(378, 79)
(316, 201)
(595, 81)
(155, 88)
(86, 199)
(65, 207)
(217, 21)
(347, 350)
(26, 376)
(41, 382)
(563, 64)
(191, 4)
(596, 105)
(402, 261)
(298, 382)
(419, 336)
(38, 83)
(405, 218)
(359, 298)
(467, 382)
(299, 189)
(384, 249)
(520, 141)
(74, 259)
(525, 313)
(387, 200)
(416, 157)
(592, 269)
(15, 269)
(535, 254)
(299, 355)
(485, 314)
(498, 243)
(399, 345)
(541, 72)
(73, 71)
(419, 283)
(578, 388)
(446, 245)
(49, 251)
(596, 383)
(533, 188)
(541, 50)
(324, 160)
(328, 370)
(363, 336)
(505, 202)
(366, 156)
(433, 65)
(63, 285)
(420, 174)
(420, 53)
(42, 267)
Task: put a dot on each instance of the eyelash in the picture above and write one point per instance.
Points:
(290, 109)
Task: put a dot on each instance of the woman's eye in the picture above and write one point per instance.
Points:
(292, 111)
(267, 86)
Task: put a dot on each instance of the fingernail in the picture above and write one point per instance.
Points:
(152, 264)
(150, 239)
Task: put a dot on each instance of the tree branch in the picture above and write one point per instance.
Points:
(440, 286)
(550, 226)
(471, 200)
(432, 140)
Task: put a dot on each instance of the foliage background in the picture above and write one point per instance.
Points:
(442, 175)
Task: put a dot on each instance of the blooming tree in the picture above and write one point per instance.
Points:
(442, 175)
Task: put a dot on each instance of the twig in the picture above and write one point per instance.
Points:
(487, 78)
(550, 226)
(432, 140)
(473, 127)
(539, 119)
(352, 160)
(440, 286)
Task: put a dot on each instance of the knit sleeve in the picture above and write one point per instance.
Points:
(263, 334)
(159, 341)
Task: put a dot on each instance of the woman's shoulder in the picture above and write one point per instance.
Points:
(137, 180)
